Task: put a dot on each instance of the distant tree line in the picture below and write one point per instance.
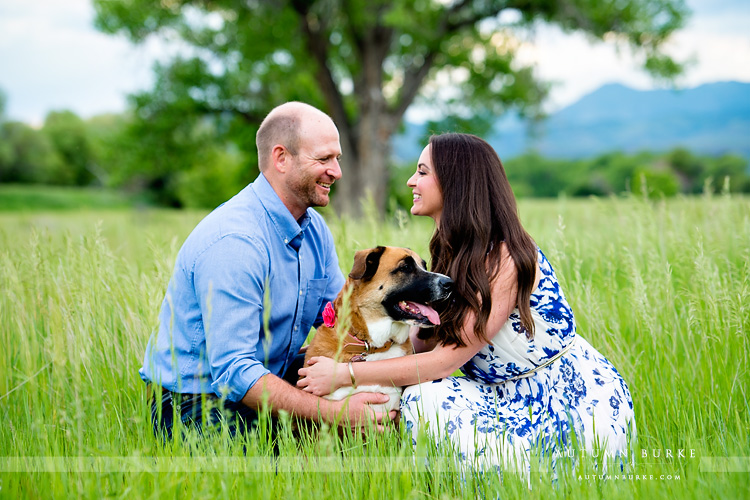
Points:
(652, 174)
(181, 167)
(199, 167)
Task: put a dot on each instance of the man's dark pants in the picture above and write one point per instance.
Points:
(190, 409)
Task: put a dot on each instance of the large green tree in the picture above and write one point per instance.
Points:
(363, 61)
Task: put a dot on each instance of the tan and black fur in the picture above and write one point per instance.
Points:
(390, 290)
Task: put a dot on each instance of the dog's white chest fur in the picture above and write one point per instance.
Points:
(384, 329)
(399, 332)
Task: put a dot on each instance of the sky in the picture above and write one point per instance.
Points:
(52, 58)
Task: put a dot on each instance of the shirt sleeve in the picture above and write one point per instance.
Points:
(229, 279)
(336, 278)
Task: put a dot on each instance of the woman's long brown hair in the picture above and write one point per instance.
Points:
(479, 213)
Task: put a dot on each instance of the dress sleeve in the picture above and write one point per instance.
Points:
(229, 279)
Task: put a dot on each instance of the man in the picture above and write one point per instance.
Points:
(249, 282)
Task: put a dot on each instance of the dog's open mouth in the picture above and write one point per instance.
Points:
(420, 312)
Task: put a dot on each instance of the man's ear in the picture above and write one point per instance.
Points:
(280, 158)
(366, 263)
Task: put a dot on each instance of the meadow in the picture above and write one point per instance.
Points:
(662, 288)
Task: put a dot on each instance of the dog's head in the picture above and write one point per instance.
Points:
(392, 282)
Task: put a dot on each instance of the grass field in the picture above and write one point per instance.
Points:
(660, 288)
(34, 197)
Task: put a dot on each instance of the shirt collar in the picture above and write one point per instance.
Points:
(286, 226)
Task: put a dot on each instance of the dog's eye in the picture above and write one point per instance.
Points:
(406, 267)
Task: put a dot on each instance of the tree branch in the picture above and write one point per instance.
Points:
(318, 47)
(412, 83)
(414, 77)
(351, 28)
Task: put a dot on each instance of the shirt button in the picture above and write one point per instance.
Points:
(286, 240)
(300, 292)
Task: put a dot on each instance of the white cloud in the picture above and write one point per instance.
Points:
(718, 56)
(716, 43)
(52, 58)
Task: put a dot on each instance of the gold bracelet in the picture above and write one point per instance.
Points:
(351, 373)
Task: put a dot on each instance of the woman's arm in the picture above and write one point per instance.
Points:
(323, 375)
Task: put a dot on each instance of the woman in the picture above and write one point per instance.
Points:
(530, 381)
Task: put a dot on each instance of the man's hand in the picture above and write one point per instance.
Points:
(355, 411)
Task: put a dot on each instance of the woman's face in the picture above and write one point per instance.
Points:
(428, 198)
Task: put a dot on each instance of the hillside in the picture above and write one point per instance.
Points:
(711, 119)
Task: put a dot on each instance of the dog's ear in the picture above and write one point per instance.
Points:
(366, 263)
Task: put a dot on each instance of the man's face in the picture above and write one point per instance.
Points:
(316, 166)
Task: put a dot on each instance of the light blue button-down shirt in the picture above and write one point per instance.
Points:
(211, 335)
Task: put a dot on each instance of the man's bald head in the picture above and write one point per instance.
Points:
(284, 125)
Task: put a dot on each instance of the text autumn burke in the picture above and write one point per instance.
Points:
(645, 453)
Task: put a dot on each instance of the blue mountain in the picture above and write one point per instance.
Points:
(711, 119)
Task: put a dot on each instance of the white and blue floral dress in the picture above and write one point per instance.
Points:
(546, 395)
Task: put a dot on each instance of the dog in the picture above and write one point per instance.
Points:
(389, 291)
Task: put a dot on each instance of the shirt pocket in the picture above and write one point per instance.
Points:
(313, 299)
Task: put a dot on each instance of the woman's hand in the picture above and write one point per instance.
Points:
(321, 376)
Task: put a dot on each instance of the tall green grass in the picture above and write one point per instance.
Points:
(660, 288)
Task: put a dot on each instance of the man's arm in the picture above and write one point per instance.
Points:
(279, 395)
(230, 281)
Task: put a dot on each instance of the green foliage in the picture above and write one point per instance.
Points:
(68, 136)
(365, 62)
(110, 147)
(399, 193)
(60, 153)
(732, 170)
(655, 184)
(660, 288)
(687, 167)
(169, 139)
(213, 179)
(534, 175)
(667, 174)
(27, 156)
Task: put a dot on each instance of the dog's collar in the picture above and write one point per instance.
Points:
(361, 348)
(353, 345)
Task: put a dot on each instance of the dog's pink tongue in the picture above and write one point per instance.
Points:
(428, 312)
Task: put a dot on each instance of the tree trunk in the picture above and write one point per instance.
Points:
(365, 172)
